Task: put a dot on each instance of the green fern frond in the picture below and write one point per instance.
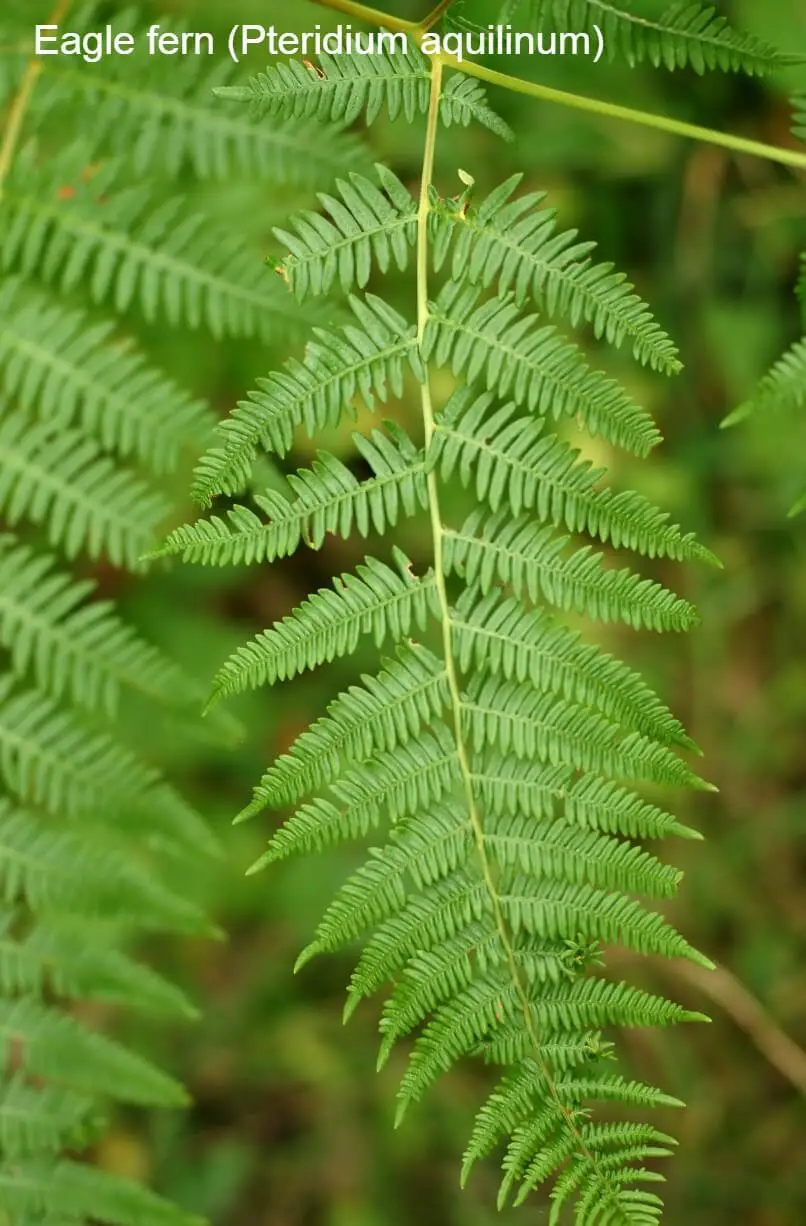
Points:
(70, 225)
(72, 1192)
(488, 762)
(516, 244)
(383, 714)
(494, 345)
(783, 388)
(329, 499)
(343, 87)
(688, 33)
(159, 112)
(70, 371)
(88, 871)
(40, 1120)
(367, 361)
(60, 479)
(495, 634)
(365, 225)
(73, 646)
(510, 460)
(488, 549)
(376, 600)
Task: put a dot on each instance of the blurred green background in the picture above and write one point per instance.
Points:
(291, 1125)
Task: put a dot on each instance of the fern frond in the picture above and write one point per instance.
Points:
(494, 345)
(383, 714)
(341, 88)
(160, 112)
(515, 244)
(489, 762)
(330, 499)
(497, 635)
(167, 263)
(375, 600)
(57, 1047)
(366, 225)
(40, 1120)
(72, 1192)
(70, 371)
(511, 461)
(60, 479)
(782, 389)
(517, 551)
(367, 361)
(90, 871)
(689, 33)
(73, 646)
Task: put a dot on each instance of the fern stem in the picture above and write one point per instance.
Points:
(373, 17)
(431, 20)
(451, 672)
(20, 101)
(579, 102)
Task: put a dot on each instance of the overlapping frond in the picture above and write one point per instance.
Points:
(340, 88)
(365, 226)
(92, 433)
(160, 112)
(64, 368)
(687, 33)
(329, 499)
(66, 222)
(493, 344)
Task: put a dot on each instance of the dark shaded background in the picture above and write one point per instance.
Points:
(291, 1125)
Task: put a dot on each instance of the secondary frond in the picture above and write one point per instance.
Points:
(395, 79)
(366, 225)
(68, 224)
(60, 479)
(74, 646)
(510, 461)
(329, 499)
(488, 549)
(688, 33)
(376, 600)
(160, 111)
(69, 370)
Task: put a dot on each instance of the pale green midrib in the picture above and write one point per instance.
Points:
(566, 1114)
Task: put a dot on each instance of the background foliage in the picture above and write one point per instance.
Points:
(290, 1124)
